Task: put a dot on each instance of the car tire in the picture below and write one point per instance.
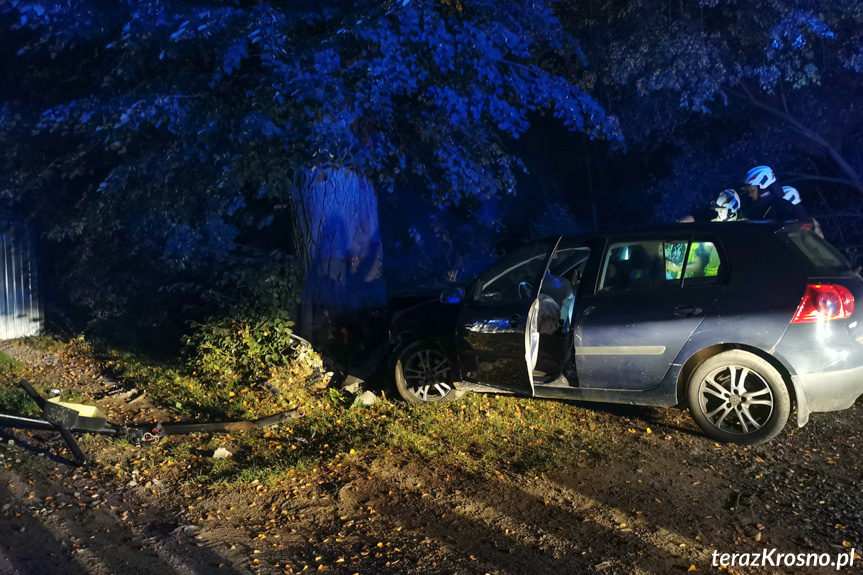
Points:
(737, 397)
(424, 374)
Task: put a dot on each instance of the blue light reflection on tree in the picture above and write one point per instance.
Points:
(192, 105)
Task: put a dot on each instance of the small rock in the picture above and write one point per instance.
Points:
(221, 453)
(367, 398)
(352, 384)
(186, 530)
(6, 507)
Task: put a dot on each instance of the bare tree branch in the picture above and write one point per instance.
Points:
(798, 176)
(853, 177)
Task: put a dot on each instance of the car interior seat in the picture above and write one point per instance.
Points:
(641, 266)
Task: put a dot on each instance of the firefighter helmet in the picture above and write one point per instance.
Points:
(726, 205)
(761, 176)
(791, 194)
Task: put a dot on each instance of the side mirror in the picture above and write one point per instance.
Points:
(452, 295)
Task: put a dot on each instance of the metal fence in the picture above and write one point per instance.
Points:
(20, 308)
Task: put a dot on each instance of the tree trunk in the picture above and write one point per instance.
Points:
(336, 227)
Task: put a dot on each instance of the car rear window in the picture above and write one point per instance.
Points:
(816, 254)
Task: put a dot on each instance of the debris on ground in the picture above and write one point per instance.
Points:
(367, 398)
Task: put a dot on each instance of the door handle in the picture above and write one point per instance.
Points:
(515, 320)
(686, 311)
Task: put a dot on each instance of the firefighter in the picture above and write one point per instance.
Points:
(768, 201)
(792, 195)
(723, 209)
(727, 204)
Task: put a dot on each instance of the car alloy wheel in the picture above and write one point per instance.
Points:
(739, 397)
(735, 399)
(424, 374)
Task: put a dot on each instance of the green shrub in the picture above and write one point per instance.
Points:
(249, 348)
(12, 398)
(9, 366)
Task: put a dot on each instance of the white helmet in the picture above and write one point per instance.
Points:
(726, 205)
(791, 194)
(761, 176)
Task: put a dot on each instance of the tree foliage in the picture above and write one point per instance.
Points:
(728, 84)
(172, 130)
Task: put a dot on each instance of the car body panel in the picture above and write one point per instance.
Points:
(491, 342)
(632, 348)
(762, 292)
(638, 356)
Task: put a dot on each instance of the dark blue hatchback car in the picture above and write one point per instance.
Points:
(742, 321)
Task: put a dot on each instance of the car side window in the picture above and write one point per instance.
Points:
(655, 264)
(703, 261)
(643, 265)
(514, 277)
(513, 280)
(675, 258)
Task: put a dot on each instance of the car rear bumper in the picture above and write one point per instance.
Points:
(826, 391)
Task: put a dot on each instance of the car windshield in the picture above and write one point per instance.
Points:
(816, 254)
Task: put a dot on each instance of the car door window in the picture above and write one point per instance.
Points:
(654, 264)
(643, 265)
(512, 278)
(703, 262)
(674, 253)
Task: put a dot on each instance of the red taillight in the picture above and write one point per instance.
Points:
(824, 302)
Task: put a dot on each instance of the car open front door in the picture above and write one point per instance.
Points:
(498, 339)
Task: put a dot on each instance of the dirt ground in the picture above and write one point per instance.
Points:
(664, 502)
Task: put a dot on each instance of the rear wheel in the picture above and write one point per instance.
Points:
(424, 374)
(738, 397)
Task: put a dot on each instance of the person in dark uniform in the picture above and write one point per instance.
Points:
(793, 196)
(768, 201)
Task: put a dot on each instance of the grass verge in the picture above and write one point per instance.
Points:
(12, 398)
(479, 434)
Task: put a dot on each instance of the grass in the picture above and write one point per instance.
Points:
(482, 434)
(479, 434)
(13, 399)
(49, 344)
(9, 367)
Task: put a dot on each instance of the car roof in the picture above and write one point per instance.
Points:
(748, 228)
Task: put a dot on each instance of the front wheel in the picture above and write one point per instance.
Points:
(738, 397)
(424, 374)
